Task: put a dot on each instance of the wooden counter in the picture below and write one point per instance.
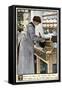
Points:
(45, 56)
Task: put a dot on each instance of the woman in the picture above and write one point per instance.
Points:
(26, 52)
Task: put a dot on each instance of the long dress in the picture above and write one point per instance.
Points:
(26, 52)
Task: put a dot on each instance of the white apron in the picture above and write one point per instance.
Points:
(26, 55)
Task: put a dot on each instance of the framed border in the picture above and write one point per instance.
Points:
(12, 44)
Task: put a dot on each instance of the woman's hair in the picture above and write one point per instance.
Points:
(37, 19)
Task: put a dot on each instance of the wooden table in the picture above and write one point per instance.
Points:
(47, 60)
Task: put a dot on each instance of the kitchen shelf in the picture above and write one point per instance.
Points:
(50, 23)
(49, 27)
(49, 15)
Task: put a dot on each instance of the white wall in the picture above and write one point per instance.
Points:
(4, 44)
